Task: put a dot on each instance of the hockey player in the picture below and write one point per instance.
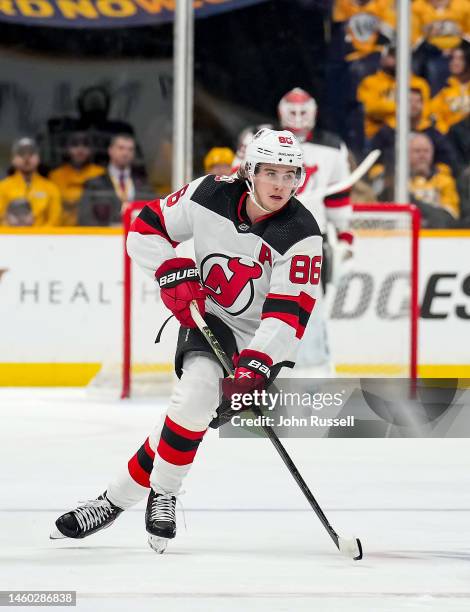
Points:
(326, 163)
(256, 279)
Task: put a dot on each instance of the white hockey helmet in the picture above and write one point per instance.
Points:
(246, 136)
(297, 111)
(273, 147)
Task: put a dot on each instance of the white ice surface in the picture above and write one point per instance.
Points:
(251, 543)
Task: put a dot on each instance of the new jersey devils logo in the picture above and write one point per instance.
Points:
(310, 172)
(229, 281)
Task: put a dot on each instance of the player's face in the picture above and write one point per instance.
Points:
(274, 184)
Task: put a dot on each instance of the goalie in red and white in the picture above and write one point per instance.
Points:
(255, 279)
(326, 164)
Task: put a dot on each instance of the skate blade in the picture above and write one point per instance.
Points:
(157, 544)
(56, 535)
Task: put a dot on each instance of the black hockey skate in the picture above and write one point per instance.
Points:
(88, 518)
(160, 520)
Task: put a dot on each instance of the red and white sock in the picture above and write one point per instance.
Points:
(175, 454)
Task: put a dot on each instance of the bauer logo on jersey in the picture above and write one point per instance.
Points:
(229, 281)
(174, 278)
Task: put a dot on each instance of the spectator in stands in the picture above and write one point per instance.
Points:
(384, 140)
(105, 196)
(19, 213)
(437, 27)
(359, 31)
(71, 176)
(452, 104)
(27, 184)
(366, 26)
(377, 94)
(361, 191)
(432, 190)
(463, 185)
(219, 161)
(459, 138)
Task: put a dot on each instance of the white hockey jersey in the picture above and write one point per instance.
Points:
(326, 163)
(262, 279)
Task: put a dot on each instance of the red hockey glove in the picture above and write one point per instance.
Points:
(179, 283)
(252, 371)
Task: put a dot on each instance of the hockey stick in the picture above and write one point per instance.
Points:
(351, 548)
(355, 175)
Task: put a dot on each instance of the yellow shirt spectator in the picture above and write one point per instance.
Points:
(451, 105)
(428, 184)
(439, 190)
(42, 194)
(70, 181)
(365, 21)
(442, 26)
(377, 93)
(219, 161)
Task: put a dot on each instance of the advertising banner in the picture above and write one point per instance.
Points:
(106, 13)
(61, 302)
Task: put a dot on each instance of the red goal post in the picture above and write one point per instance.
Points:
(127, 219)
(410, 223)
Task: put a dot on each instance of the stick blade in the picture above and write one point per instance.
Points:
(351, 548)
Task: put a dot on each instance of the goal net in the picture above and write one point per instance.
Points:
(373, 316)
(142, 367)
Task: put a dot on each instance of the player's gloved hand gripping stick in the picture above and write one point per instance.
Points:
(352, 548)
(179, 284)
(252, 371)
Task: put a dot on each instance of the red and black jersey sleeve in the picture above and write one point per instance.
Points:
(160, 227)
(150, 221)
(295, 310)
(338, 200)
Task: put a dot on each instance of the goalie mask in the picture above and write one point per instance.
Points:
(297, 112)
(272, 147)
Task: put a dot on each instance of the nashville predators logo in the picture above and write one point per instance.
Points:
(229, 281)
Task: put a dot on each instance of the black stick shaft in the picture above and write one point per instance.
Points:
(269, 431)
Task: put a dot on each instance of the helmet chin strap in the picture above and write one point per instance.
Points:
(251, 191)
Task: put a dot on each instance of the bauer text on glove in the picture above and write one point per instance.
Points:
(179, 283)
